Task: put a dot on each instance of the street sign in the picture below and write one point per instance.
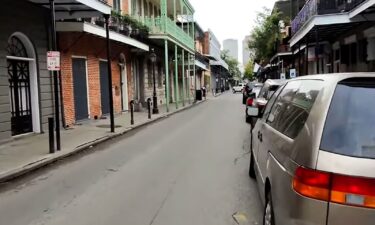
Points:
(53, 61)
(293, 73)
(282, 76)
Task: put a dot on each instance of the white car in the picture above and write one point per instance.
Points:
(238, 88)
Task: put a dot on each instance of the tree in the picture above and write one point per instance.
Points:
(234, 70)
(265, 34)
(249, 70)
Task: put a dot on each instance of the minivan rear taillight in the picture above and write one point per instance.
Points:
(312, 183)
(347, 190)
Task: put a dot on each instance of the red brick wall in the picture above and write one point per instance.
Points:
(206, 43)
(125, 6)
(93, 48)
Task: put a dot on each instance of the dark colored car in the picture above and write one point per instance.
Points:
(256, 103)
(248, 89)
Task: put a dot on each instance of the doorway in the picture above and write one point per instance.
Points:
(124, 88)
(23, 85)
(104, 91)
(80, 89)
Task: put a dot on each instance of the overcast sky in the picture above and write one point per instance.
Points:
(229, 18)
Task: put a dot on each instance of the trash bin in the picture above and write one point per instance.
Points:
(198, 94)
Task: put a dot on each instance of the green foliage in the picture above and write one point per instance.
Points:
(233, 64)
(249, 70)
(265, 34)
(128, 20)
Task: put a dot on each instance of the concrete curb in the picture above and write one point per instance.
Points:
(49, 159)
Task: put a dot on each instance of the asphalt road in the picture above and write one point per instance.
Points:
(189, 169)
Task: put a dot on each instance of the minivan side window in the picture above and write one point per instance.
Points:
(293, 106)
(271, 102)
(350, 124)
(264, 91)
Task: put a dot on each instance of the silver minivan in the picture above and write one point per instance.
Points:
(313, 151)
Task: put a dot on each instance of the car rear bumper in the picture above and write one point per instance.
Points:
(252, 111)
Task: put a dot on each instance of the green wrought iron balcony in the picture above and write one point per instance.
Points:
(166, 26)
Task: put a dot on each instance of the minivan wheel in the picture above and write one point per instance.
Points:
(268, 216)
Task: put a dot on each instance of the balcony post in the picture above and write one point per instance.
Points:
(166, 66)
(307, 56)
(143, 10)
(299, 59)
(174, 11)
(188, 24)
(176, 75)
(188, 78)
(183, 77)
(317, 50)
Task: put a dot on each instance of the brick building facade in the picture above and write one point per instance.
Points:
(92, 50)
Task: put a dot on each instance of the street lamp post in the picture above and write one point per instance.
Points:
(155, 109)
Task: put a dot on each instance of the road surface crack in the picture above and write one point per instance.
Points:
(162, 204)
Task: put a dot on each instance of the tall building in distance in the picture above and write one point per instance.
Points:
(245, 50)
(232, 46)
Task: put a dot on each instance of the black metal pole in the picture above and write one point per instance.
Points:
(155, 109)
(51, 135)
(149, 107)
(131, 112)
(55, 76)
(111, 111)
(317, 50)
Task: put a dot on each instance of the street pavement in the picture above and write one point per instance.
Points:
(189, 169)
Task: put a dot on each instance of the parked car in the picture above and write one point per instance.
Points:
(248, 89)
(313, 151)
(238, 88)
(256, 103)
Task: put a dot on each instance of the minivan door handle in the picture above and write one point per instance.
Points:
(260, 136)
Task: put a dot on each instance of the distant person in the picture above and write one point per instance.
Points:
(204, 92)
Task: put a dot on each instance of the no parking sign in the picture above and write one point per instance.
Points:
(53, 61)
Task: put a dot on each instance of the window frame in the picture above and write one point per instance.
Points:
(283, 132)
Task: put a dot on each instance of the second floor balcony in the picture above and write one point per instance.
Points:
(166, 26)
(322, 7)
(167, 19)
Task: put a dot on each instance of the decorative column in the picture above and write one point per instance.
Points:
(188, 79)
(183, 78)
(176, 76)
(166, 66)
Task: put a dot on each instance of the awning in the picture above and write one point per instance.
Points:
(210, 57)
(99, 31)
(201, 65)
(220, 63)
(71, 9)
(281, 54)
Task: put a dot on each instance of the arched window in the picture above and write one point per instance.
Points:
(16, 48)
(22, 87)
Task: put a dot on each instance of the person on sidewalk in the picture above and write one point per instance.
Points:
(204, 92)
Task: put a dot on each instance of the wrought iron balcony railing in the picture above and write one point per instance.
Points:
(322, 7)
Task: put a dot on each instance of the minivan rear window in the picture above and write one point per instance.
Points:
(350, 123)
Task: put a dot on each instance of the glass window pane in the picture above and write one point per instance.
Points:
(350, 123)
(293, 106)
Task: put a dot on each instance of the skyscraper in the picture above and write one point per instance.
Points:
(232, 46)
(245, 50)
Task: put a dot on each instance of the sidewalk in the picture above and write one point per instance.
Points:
(29, 153)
